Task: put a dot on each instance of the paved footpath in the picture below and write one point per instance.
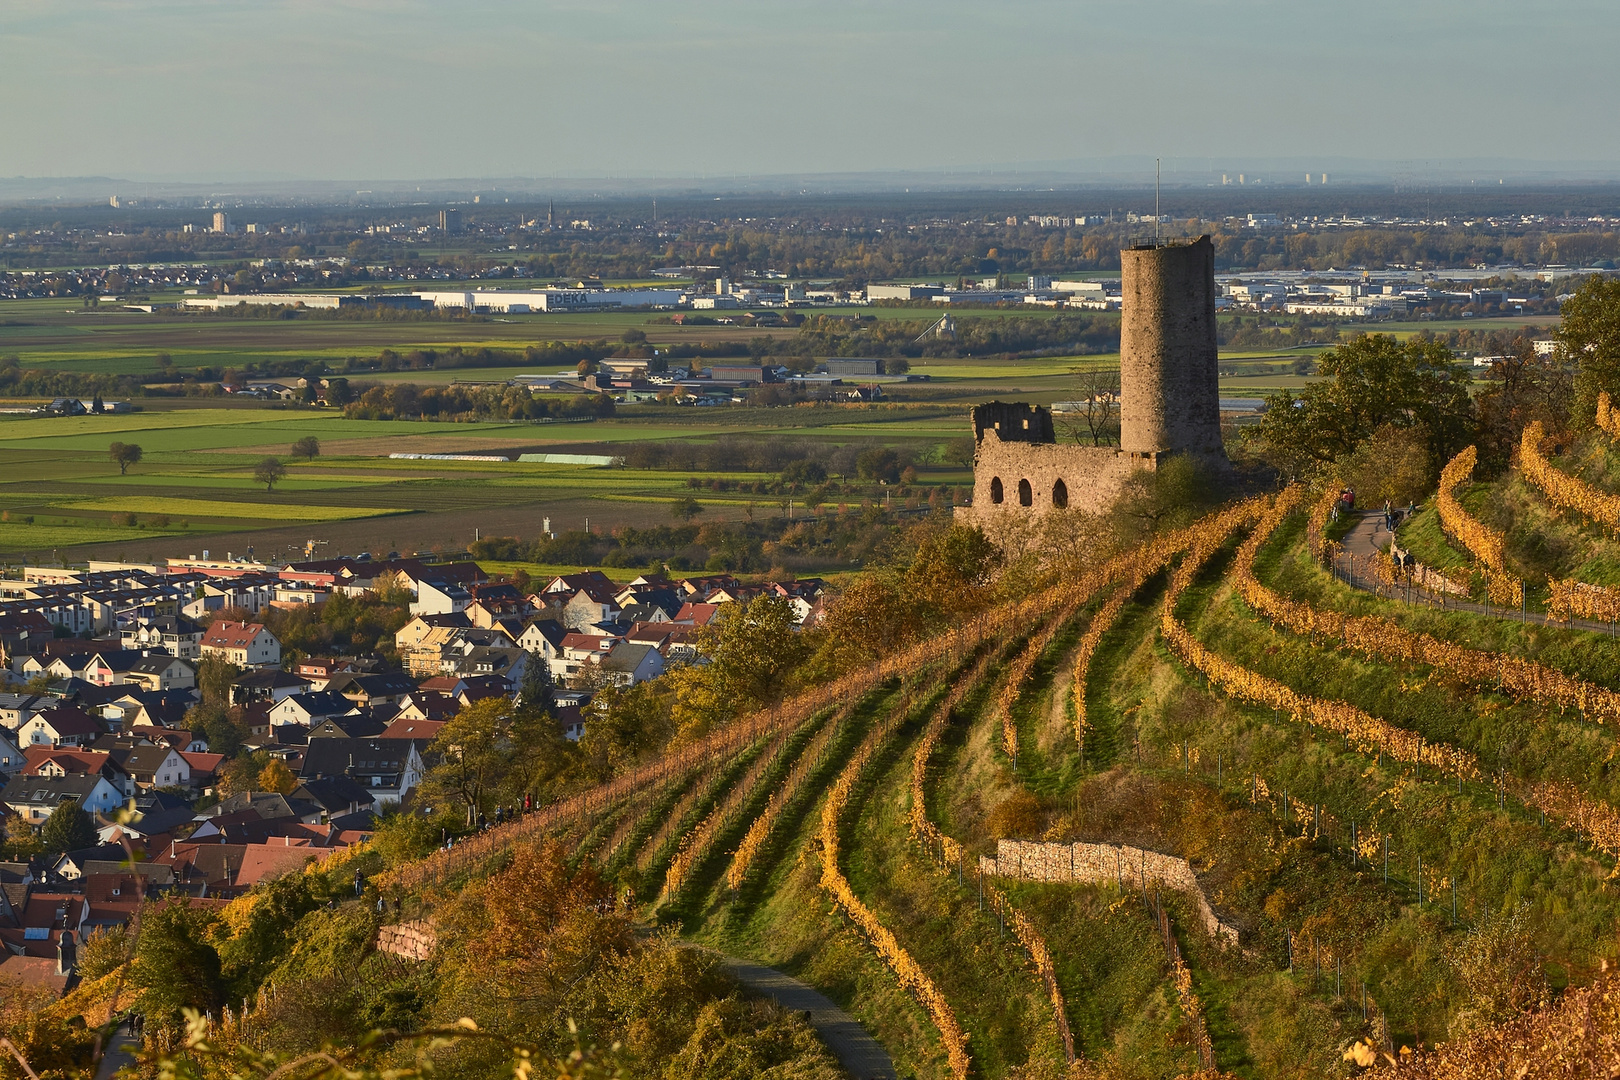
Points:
(120, 1053)
(862, 1056)
(1367, 537)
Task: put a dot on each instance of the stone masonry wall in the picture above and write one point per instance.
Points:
(1133, 867)
(1092, 477)
(1169, 366)
(413, 940)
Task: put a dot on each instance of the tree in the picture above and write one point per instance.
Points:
(752, 651)
(174, 963)
(215, 674)
(1096, 422)
(1524, 387)
(124, 455)
(308, 447)
(878, 463)
(268, 471)
(805, 472)
(536, 690)
(277, 777)
(685, 508)
(627, 723)
(489, 748)
(954, 567)
(1372, 381)
(68, 828)
(1589, 336)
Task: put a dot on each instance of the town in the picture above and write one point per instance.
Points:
(109, 667)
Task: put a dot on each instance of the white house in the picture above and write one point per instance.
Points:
(244, 644)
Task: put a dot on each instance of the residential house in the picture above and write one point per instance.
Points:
(589, 607)
(572, 583)
(35, 798)
(412, 633)
(390, 688)
(579, 649)
(403, 727)
(173, 634)
(440, 598)
(389, 769)
(696, 589)
(179, 738)
(543, 636)
(63, 725)
(17, 709)
(159, 671)
(267, 685)
(319, 670)
(307, 710)
(629, 663)
(151, 766)
(244, 644)
(493, 605)
(11, 755)
(20, 630)
(64, 761)
(509, 665)
(697, 614)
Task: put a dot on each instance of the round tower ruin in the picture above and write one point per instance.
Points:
(1169, 377)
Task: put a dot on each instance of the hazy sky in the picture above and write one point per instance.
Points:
(219, 89)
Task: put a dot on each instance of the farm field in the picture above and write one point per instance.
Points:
(197, 469)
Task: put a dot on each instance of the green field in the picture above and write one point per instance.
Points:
(213, 508)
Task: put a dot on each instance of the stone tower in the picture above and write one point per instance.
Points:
(1169, 390)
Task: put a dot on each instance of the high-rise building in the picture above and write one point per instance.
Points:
(222, 221)
(450, 220)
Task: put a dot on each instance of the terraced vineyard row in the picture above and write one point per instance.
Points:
(1351, 849)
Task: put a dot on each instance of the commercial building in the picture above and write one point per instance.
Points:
(903, 292)
(520, 303)
(312, 301)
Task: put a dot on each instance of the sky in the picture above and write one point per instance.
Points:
(401, 89)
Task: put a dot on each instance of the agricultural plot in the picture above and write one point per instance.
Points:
(1373, 858)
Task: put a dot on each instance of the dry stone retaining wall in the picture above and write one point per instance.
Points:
(413, 940)
(1133, 867)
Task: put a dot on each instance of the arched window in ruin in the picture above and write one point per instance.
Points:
(995, 489)
(1060, 495)
(1026, 494)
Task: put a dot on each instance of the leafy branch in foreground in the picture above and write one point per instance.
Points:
(201, 1058)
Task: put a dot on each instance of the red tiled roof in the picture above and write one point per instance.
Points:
(231, 635)
(201, 763)
(412, 729)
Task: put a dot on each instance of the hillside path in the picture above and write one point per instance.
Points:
(1368, 537)
(862, 1056)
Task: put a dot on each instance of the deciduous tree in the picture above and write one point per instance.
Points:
(268, 471)
(1589, 337)
(124, 455)
(1371, 381)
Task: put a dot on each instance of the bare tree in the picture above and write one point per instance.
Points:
(1096, 420)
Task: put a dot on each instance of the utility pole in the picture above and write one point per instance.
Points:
(1155, 200)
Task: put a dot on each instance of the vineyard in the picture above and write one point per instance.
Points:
(1375, 826)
